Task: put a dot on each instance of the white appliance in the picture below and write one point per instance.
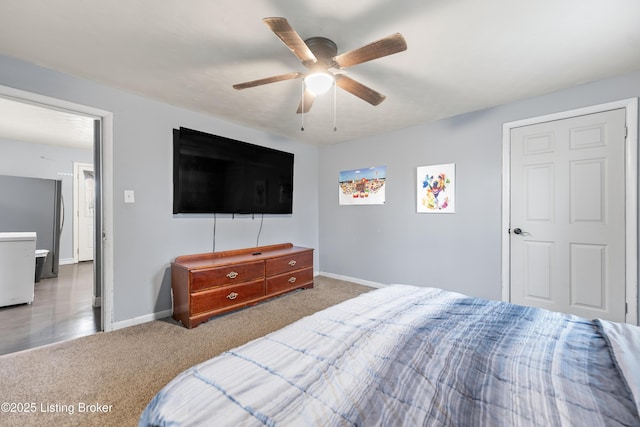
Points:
(17, 267)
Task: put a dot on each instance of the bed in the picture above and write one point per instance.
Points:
(413, 356)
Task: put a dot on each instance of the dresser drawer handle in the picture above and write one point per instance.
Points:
(232, 295)
(292, 262)
(232, 275)
(292, 280)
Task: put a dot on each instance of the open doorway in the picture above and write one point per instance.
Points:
(84, 212)
(73, 273)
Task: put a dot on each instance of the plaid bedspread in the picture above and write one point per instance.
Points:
(413, 356)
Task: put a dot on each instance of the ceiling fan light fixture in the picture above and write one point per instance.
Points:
(319, 82)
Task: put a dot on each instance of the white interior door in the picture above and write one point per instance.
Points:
(85, 210)
(567, 210)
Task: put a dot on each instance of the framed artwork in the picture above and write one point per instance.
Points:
(436, 188)
(364, 186)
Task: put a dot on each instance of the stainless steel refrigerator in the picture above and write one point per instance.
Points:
(34, 204)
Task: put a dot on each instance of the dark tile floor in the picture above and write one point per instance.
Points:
(61, 310)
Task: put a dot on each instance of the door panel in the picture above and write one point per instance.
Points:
(568, 198)
(588, 182)
(539, 191)
(538, 268)
(588, 269)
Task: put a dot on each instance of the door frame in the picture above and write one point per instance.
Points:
(631, 195)
(103, 150)
(77, 168)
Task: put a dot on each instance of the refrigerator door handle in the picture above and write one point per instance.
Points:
(61, 212)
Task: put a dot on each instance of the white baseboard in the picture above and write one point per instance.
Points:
(97, 302)
(66, 261)
(352, 279)
(141, 319)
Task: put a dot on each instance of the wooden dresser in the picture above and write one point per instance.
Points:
(205, 285)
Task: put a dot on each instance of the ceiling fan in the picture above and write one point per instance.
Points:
(319, 56)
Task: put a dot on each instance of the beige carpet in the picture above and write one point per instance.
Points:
(117, 373)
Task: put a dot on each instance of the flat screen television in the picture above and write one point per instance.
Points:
(214, 174)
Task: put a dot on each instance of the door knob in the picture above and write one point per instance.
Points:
(517, 231)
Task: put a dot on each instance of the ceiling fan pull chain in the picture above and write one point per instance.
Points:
(335, 127)
(302, 112)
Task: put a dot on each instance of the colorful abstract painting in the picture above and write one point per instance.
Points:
(436, 188)
(362, 186)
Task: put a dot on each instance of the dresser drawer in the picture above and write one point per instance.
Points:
(228, 274)
(292, 280)
(218, 298)
(289, 263)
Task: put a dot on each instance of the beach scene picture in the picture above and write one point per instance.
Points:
(435, 188)
(364, 186)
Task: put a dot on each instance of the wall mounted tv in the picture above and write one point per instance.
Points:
(214, 174)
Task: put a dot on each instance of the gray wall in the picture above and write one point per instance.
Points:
(146, 235)
(392, 243)
(48, 162)
(386, 244)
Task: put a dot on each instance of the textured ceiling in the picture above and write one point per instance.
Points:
(462, 56)
(25, 122)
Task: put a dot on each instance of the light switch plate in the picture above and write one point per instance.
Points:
(128, 196)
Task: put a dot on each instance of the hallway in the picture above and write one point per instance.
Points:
(62, 309)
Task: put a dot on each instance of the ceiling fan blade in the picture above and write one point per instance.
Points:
(273, 79)
(359, 90)
(291, 39)
(307, 100)
(387, 46)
